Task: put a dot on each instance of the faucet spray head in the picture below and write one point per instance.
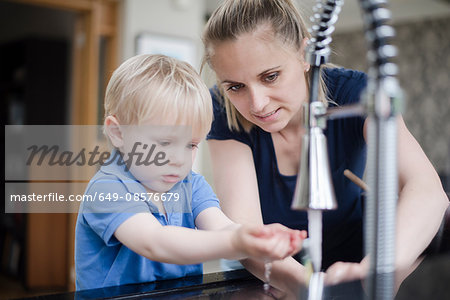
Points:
(314, 189)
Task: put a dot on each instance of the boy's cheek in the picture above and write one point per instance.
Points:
(193, 156)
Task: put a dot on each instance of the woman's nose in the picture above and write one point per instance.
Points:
(258, 100)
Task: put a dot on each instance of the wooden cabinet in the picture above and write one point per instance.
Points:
(39, 248)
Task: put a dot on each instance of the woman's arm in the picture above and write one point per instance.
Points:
(235, 181)
(421, 206)
(422, 200)
(236, 186)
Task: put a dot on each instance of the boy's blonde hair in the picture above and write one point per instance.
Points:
(236, 17)
(147, 87)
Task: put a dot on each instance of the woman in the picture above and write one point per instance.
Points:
(256, 49)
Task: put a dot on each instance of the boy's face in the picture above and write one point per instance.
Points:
(160, 155)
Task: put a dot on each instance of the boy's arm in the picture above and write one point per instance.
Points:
(143, 234)
(213, 218)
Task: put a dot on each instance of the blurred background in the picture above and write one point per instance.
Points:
(56, 57)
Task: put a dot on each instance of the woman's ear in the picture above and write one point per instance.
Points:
(112, 128)
(306, 65)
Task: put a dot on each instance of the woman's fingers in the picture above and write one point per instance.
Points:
(343, 272)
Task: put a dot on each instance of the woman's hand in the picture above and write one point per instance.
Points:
(344, 271)
(268, 242)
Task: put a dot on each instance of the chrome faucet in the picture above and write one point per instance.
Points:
(383, 98)
(314, 190)
(381, 104)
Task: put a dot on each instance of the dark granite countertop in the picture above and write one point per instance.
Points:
(430, 281)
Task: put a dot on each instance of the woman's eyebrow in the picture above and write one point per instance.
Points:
(259, 75)
(228, 81)
(268, 70)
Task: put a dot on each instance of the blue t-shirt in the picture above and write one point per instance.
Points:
(342, 228)
(100, 259)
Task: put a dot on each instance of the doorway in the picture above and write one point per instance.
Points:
(55, 56)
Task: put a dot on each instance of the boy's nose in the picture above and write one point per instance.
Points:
(177, 157)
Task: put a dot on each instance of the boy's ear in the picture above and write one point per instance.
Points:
(112, 128)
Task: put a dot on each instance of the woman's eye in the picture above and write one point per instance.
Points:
(271, 77)
(192, 146)
(164, 143)
(235, 87)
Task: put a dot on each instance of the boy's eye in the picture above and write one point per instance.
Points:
(192, 146)
(235, 87)
(271, 77)
(164, 143)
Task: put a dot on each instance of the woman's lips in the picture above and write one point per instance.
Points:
(269, 116)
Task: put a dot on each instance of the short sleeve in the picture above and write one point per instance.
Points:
(345, 87)
(109, 207)
(203, 196)
(219, 127)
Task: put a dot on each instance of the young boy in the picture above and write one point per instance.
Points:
(147, 203)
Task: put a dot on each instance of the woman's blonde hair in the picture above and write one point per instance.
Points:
(160, 87)
(236, 17)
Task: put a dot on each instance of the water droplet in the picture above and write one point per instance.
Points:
(267, 271)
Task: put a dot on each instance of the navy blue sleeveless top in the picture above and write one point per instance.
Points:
(342, 228)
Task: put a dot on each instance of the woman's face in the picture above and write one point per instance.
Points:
(263, 80)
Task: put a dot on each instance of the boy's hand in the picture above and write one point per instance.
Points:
(268, 242)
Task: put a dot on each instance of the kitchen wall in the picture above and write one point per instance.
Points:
(173, 18)
(424, 75)
(422, 39)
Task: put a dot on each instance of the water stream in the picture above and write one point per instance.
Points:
(315, 246)
(315, 238)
